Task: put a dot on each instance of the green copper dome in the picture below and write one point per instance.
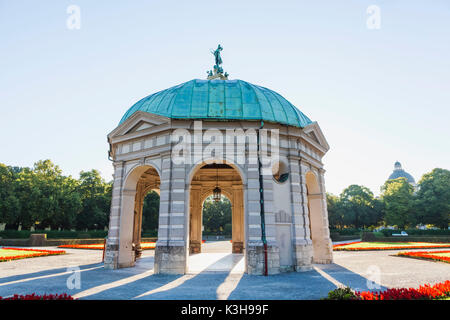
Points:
(220, 100)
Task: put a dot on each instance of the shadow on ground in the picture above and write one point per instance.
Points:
(139, 282)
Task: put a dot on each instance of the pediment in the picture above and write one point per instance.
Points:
(141, 126)
(139, 122)
(315, 135)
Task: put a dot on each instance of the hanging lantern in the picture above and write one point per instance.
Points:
(217, 193)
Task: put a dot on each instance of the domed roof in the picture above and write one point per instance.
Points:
(220, 100)
(400, 173)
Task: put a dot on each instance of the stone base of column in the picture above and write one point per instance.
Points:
(325, 252)
(256, 260)
(237, 247)
(111, 256)
(195, 246)
(137, 251)
(303, 257)
(170, 259)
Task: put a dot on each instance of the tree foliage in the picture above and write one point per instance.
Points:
(356, 207)
(217, 216)
(150, 212)
(397, 195)
(95, 195)
(433, 198)
(43, 197)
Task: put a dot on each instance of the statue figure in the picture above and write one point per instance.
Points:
(218, 70)
(216, 54)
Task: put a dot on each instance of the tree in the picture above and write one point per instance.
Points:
(357, 207)
(43, 197)
(397, 195)
(150, 212)
(433, 198)
(335, 216)
(95, 195)
(9, 203)
(59, 202)
(30, 198)
(217, 215)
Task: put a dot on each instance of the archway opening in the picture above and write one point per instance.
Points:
(150, 215)
(216, 222)
(316, 219)
(216, 225)
(139, 183)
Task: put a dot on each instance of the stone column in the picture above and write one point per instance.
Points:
(195, 220)
(137, 227)
(302, 244)
(327, 256)
(273, 254)
(112, 243)
(237, 219)
(171, 250)
(254, 250)
(255, 247)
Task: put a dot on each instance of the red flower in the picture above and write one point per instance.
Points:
(424, 292)
(34, 296)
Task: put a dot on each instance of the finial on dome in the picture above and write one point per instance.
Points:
(218, 71)
(397, 166)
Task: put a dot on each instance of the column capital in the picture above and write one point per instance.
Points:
(118, 163)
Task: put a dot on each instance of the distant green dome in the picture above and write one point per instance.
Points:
(220, 100)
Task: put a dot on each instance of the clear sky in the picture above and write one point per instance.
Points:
(379, 95)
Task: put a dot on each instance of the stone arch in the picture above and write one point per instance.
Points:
(200, 189)
(208, 193)
(318, 217)
(195, 166)
(139, 180)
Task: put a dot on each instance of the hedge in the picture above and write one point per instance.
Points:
(417, 232)
(347, 232)
(65, 234)
(54, 234)
(445, 239)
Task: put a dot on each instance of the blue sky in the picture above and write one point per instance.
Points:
(379, 95)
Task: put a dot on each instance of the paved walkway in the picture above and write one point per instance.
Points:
(212, 275)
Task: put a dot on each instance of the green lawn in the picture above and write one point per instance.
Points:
(7, 253)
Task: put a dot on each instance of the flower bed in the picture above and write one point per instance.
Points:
(34, 296)
(437, 291)
(8, 254)
(366, 246)
(100, 246)
(424, 292)
(428, 255)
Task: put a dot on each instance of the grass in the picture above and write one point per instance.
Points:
(368, 246)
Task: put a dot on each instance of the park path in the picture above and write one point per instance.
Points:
(213, 275)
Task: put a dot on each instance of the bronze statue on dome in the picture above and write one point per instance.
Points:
(218, 71)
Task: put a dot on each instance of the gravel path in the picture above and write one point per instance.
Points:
(51, 275)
